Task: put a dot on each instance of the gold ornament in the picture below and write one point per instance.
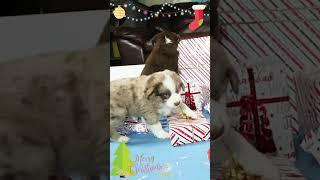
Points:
(119, 12)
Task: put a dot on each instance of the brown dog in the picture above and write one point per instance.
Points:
(164, 54)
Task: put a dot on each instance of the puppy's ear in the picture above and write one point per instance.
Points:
(167, 40)
(234, 80)
(150, 44)
(183, 87)
(153, 84)
(178, 38)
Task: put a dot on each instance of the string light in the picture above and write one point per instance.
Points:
(151, 14)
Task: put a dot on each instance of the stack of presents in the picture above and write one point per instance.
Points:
(195, 73)
(274, 47)
(183, 130)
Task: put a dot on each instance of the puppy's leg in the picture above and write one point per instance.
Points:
(116, 119)
(230, 141)
(116, 136)
(155, 126)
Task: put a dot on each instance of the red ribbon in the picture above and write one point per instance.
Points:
(250, 109)
(189, 101)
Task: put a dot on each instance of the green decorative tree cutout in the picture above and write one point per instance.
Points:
(122, 163)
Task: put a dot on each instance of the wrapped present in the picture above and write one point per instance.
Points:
(264, 109)
(133, 126)
(311, 144)
(196, 95)
(308, 100)
(137, 125)
(184, 131)
(192, 96)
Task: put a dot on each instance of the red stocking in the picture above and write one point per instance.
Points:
(198, 17)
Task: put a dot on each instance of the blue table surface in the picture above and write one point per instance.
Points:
(305, 161)
(182, 163)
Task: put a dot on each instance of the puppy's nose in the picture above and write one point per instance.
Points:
(177, 103)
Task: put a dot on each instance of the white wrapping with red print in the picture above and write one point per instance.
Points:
(199, 94)
(264, 110)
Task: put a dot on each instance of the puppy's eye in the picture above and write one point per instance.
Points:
(165, 96)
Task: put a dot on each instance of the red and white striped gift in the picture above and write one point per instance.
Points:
(194, 60)
(184, 132)
(288, 30)
(307, 100)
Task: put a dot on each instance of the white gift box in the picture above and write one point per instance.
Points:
(267, 104)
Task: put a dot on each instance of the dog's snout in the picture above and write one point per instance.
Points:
(177, 103)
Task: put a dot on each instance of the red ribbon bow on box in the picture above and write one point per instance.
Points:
(189, 101)
(254, 121)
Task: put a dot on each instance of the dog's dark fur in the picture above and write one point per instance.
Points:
(163, 56)
(52, 115)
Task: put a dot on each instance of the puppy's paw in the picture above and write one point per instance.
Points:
(123, 139)
(162, 134)
(158, 131)
(192, 114)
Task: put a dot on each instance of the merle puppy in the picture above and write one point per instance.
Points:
(164, 54)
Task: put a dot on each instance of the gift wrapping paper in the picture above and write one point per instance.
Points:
(184, 131)
(286, 167)
(311, 143)
(288, 30)
(308, 99)
(194, 66)
(264, 109)
(200, 94)
(132, 125)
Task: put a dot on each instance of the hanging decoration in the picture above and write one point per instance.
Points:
(198, 17)
(153, 14)
(119, 12)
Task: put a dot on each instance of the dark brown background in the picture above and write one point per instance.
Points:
(23, 7)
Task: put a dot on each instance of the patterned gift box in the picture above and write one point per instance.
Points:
(133, 126)
(184, 131)
(196, 96)
(308, 99)
(264, 110)
(308, 96)
(311, 143)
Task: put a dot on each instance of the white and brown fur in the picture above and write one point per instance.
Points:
(52, 115)
(227, 141)
(164, 54)
(147, 96)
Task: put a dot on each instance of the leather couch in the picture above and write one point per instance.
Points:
(132, 38)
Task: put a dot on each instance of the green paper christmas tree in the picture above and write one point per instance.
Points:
(122, 163)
